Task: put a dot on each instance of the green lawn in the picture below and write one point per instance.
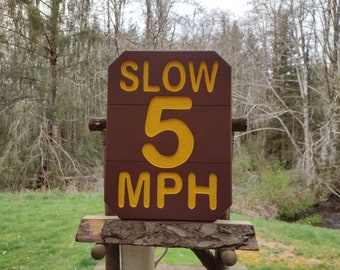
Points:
(38, 230)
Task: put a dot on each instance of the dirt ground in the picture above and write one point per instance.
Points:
(277, 252)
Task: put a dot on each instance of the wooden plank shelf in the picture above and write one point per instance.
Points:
(226, 234)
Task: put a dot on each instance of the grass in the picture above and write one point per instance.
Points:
(38, 230)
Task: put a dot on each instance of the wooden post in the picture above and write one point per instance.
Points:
(238, 124)
(135, 257)
(112, 258)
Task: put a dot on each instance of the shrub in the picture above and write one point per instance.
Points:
(286, 190)
(265, 188)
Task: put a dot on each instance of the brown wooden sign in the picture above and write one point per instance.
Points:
(168, 154)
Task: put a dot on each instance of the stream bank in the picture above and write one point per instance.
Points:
(328, 209)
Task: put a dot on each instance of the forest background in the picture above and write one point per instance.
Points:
(54, 56)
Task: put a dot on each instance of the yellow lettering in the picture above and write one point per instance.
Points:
(165, 76)
(146, 86)
(210, 190)
(209, 80)
(129, 75)
(124, 183)
(162, 190)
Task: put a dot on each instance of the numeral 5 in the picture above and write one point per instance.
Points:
(154, 125)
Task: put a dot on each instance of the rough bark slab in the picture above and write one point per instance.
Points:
(206, 235)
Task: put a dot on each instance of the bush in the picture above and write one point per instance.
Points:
(264, 188)
(286, 190)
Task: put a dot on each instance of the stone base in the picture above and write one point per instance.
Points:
(101, 266)
(196, 267)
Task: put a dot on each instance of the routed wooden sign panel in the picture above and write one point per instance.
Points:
(168, 154)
